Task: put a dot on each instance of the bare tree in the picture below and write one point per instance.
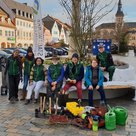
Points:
(121, 37)
(84, 15)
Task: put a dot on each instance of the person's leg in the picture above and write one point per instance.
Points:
(102, 94)
(111, 70)
(26, 79)
(79, 89)
(17, 79)
(90, 97)
(11, 86)
(37, 88)
(67, 86)
(30, 89)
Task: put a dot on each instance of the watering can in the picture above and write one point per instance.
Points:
(110, 120)
(121, 115)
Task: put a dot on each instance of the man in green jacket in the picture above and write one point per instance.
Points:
(105, 61)
(14, 69)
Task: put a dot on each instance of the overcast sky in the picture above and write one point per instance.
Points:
(53, 8)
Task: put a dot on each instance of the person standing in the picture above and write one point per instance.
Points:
(105, 61)
(38, 76)
(14, 69)
(94, 80)
(55, 77)
(28, 62)
(74, 74)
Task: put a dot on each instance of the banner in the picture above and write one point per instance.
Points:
(97, 42)
(38, 46)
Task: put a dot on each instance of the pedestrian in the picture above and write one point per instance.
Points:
(105, 61)
(94, 80)
(38, 77)
(55, 78)
(28, 62)
(14, 69)
(74, 74)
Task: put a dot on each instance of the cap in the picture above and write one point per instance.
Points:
(75, 55)
(101, 46)
(55, 57)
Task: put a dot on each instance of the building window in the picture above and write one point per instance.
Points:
(55, 32)
(6, 33)
(9, 33)
(17, 23)
(23, 13)
(26, 14)
(0, 32)
(23, 23)
(20, 23)
(31, 16)
(12, 33)
(19, 12)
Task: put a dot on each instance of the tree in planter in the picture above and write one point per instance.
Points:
(84, 15)
(122, 38)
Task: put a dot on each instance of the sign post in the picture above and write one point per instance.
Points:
(38, 46)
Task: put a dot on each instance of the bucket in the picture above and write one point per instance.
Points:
(121, 115)
(110, 120)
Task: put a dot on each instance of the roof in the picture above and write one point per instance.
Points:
(112, 25)
(16, 5)
(49, 22)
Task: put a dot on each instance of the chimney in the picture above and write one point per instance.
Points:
(25, 4)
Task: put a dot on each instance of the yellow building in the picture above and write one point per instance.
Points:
(7, 27)
(107, 30)
(23, 22)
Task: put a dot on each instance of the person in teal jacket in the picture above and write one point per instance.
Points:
(94, 80)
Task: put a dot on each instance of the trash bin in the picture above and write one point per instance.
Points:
(4, 86)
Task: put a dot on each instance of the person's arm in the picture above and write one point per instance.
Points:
(87, 77)
(7, 66)
(20, 67)
(110, 60)
(49, 76)
(60, 78)
(31, 75)
(101, 78)
(67, 72)
(81, 76)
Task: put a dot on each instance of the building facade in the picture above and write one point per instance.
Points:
(7, 27)
(108, 30)
(58, 30)
(24, 23)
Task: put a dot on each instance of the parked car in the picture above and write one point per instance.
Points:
(114, 49)
(4, 54)
(65, 52)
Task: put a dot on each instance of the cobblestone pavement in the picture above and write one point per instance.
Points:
(18, 120)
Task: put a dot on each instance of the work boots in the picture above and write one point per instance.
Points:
(23, 96)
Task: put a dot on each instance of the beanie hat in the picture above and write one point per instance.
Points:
(75, 55)
(29, 49)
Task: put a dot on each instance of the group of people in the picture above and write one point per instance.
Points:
(36, 75)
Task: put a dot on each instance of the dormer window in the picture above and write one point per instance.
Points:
(9, 20)
(19, 12)
(23, 13)
(2, 19)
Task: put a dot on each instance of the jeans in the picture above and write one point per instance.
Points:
(26, 79)
(36, 86)
(90, 95)
(13, 86)
(78, 86)
(54, 94)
